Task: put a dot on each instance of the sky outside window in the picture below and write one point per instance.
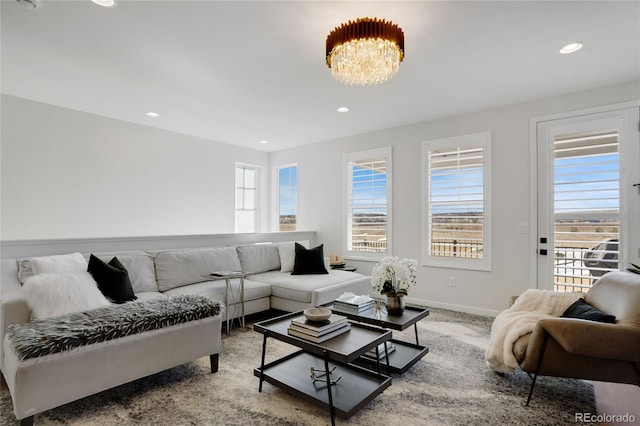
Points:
(287, 198)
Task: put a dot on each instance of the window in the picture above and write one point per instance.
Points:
(286, 198)
(457, 215)
(246, 198)
(368, 204)
(586, 188)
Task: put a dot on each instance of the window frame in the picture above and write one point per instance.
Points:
(275, 200)
(483, 139)
(256, 217)
(348, 159)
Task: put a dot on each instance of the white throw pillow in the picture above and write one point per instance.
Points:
(74, 262)
(287, 251)
(50, 295)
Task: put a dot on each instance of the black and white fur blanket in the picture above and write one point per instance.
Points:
(57, 334)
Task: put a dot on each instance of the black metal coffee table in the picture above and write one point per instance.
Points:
(406, 354)
(343, 398)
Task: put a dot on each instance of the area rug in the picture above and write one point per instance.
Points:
(451, 385)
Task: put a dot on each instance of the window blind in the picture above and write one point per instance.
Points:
(456, 202)
(368, 205)
(586, 185)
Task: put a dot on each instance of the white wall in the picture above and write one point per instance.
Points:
(69, 174)
(320, 204)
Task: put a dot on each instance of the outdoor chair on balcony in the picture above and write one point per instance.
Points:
(586, 349)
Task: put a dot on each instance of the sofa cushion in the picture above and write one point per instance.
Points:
(50, 295)
(48, 336)
(216, 290)
(309, 261)
(287, 252)
(582, 310)
(141, 271)
(184, 267)
(139, 265)
(301, 287)
(259, 258)
(150, 295)
(73, 262)
(112, 278)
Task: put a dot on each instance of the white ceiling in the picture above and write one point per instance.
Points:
(243, 71)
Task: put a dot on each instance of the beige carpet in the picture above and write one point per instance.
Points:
(450, 386)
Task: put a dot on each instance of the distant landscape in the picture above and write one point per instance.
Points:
(585, 229)
(575, 234)
(287, 222)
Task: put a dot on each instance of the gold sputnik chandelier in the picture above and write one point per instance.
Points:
(366, 51)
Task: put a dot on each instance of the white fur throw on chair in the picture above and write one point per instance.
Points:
(520, 319)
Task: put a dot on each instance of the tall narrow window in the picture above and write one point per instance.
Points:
(368, 203)
(456, 197)
(246, 198)
(287, 197)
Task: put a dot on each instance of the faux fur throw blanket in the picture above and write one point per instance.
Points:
(57, 334)
(520, 319)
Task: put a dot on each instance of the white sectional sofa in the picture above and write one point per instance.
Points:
(35, 384)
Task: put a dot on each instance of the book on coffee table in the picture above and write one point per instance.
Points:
(381, 352)
(319, 326)
(297, 332)
(352, 304)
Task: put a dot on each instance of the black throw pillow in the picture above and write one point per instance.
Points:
(582, 310)
(112, 278)
(309, 261)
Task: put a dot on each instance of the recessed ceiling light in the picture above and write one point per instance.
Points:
(153, 114)
(105, 3)
(263, 142)
(343, 109)
(570, 48)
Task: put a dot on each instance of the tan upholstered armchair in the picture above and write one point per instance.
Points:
(583, 349)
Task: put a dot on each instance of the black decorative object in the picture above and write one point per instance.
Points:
(309, 261)
(112, 278)
(582, 310)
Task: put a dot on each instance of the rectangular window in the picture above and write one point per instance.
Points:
(246, 198)
(368, 203)
(286, 178)
(457, 202)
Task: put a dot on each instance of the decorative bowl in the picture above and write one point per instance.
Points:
(317, 314)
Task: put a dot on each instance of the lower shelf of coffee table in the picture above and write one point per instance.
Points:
(355, 389)
(405, 355)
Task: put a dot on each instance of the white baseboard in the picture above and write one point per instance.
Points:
(452, 307)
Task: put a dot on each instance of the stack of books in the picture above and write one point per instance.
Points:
(318, 331)
(381, 353)
(351, 304)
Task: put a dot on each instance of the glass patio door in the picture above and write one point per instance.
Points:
(588, 206)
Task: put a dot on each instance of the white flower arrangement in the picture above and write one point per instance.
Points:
(393, 276)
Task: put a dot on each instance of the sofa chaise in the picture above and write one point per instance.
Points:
(39, 384)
